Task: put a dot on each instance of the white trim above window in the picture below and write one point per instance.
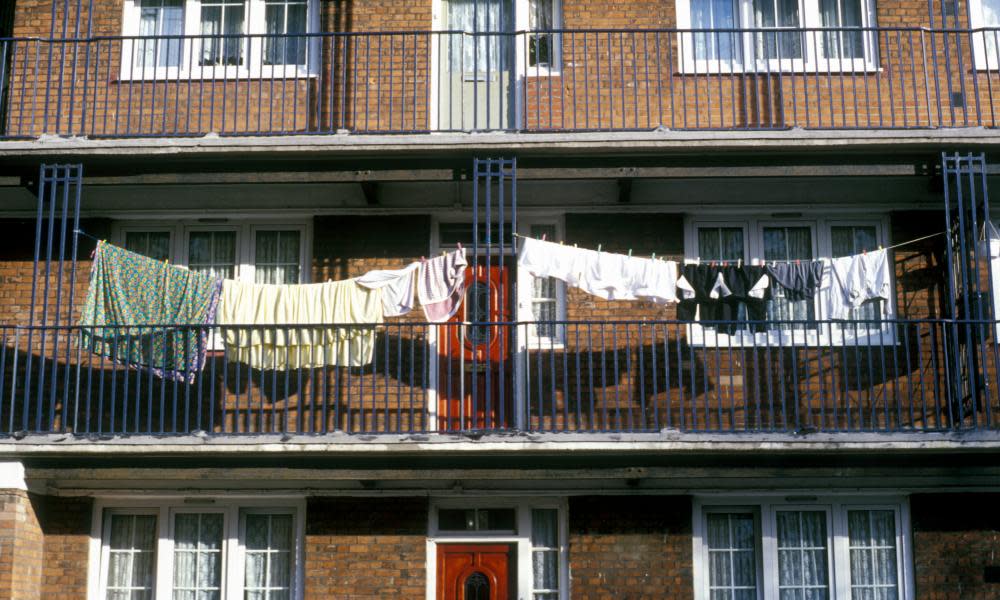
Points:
(821, 246)
(164, 39)
(747, 547)
(755, 36)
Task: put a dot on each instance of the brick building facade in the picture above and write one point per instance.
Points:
(544, 443)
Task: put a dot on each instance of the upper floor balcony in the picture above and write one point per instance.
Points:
(544, 80)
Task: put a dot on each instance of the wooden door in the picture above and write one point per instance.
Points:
(474, 572)
(474, 365)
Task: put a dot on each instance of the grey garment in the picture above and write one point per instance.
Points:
(799, 280)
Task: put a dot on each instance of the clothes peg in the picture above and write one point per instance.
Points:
(459, 245)
(630, 253)
(599, 247)
(880, 247)
(443, 253)
(739, 263)
(543, 237)
(574, 245)
(654, 256)
(560, 242)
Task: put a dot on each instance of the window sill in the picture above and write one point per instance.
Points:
(715, 70)
(207, 75)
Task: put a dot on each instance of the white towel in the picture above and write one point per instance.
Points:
(397, 287)
(441, 285)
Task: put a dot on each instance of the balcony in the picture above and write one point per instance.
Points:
(901, 376)
(551, 81)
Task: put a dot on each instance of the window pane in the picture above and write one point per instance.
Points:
(286, 21)
(872, 541)
(720, 243)
(781, 14)
(716, 45)
(268, 570)
(131, 556)
(158, 18)
(732, 555)
(213, 252)
(277, 256)
(782, 244)
(224, 20)
(197, 556)
(851, 240)
(154, 244)
(802, 554)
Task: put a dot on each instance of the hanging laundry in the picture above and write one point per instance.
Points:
(607, 275)
(398, 288)
(717, 293)
(441, 285)
(333, 324)
(851, 281)
(800, 280)
(137, 312)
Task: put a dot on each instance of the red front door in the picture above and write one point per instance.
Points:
(474, 572)
(474, 367)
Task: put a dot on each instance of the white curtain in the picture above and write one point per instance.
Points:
(732, 571)
(716, 14)
(268, 571)
(158, 18)
(222, 18)
(780, 14)
(285, 17)
(841, 44)
(788, 244)
(802, 555)
(277, 257)
(131, 557)
(197, 556)
(874, 572)
(480, 53)
(545, 552)
(213, 252)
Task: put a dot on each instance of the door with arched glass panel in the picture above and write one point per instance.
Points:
(474, 572)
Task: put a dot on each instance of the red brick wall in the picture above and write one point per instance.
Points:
(21, 547)
(955, 537)
(365, 548)
(66, 524)
(630, 547)
(384, 82)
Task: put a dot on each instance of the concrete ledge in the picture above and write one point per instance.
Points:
(666, 442)
(664, 141)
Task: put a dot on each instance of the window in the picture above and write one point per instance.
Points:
(851, 547)
(219, 38)
(129, 556)
(757, 241)
(543, 48)
(222, 24)
(285, 20)
(544, 297)
(794, 41)
(159, 18)
(535, 529)
(985, 14)
(255, 252)
(179, 551)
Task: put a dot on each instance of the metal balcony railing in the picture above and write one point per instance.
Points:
(558, 80)
(901, 376)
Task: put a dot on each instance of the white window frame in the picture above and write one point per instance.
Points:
(521, 539)
(522, 22)
(838, 557)
(525, 282)
(254, 34)
(809, 17)
(245, 229)
(825, 335)
(983, 61)
(164, 509)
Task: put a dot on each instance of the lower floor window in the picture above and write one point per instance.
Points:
(184, 552)
(814, 551)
